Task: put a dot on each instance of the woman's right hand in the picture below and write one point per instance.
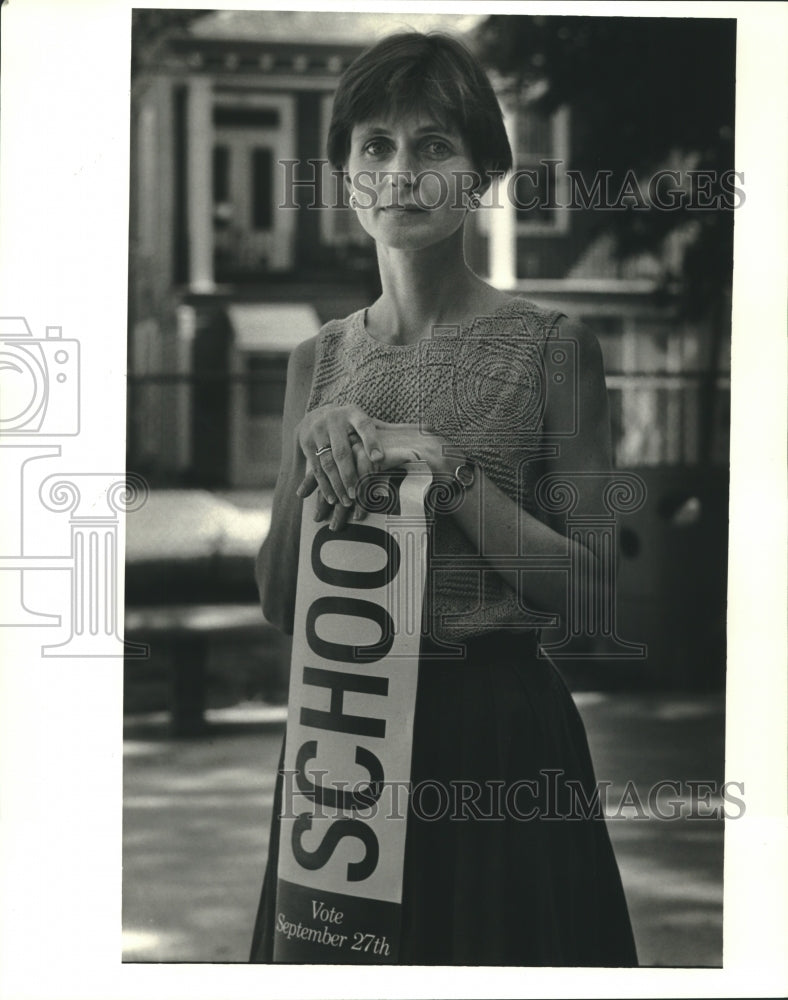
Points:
(336, 470)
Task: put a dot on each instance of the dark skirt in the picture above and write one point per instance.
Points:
(507, 861)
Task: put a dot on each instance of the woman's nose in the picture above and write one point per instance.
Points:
(403, 168)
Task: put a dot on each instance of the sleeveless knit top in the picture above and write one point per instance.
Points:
(483, 388)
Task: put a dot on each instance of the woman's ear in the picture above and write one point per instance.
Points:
(484, 186)
(348, 184)
(477, 192)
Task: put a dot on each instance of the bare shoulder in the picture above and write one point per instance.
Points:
(301, 364)
(588, 353)
(588, 398)
(302, 357)
(490, 299)
(576, 330)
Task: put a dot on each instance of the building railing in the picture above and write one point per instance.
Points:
(211, 429)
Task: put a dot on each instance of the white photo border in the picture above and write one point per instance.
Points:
(64, 195)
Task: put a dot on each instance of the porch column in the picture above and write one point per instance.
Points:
(199, 146)
(186, 328)
(502, 244)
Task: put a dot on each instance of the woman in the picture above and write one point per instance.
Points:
(419, 135)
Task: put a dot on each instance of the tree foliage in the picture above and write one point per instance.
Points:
(150, 28)
(646, 94)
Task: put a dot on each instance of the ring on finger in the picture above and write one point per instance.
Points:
(323, 450)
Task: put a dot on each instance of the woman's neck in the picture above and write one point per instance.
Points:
(424, 288)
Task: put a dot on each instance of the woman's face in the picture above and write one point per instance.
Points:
(411, 178)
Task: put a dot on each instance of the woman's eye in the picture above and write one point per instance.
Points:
(437, 147)
(375, 147)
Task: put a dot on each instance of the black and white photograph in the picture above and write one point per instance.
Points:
(393, 428)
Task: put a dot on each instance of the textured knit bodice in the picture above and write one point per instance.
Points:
(483, 389)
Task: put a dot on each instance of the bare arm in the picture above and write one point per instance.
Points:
(276, 568)
(492, 520)
(496, 525)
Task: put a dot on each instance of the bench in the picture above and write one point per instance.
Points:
(187, 630)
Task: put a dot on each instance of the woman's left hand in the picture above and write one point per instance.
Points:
(401, 443)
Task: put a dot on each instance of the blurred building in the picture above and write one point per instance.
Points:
(231, 265)
(233, 259)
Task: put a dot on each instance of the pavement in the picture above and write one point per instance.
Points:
(188, 524)
(195, 546)
(197, 815)
(197, 812)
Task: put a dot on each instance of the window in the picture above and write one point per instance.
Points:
(262, 188)
(221, 174)
(227, 116)
(338, 223)
(538, 183)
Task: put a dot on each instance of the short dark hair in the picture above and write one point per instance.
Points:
(409, 71)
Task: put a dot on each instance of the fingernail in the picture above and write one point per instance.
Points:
(376, 455)
(356, 515)
(347, 502)
(351, 492)
(300, 491)
(331, 499)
